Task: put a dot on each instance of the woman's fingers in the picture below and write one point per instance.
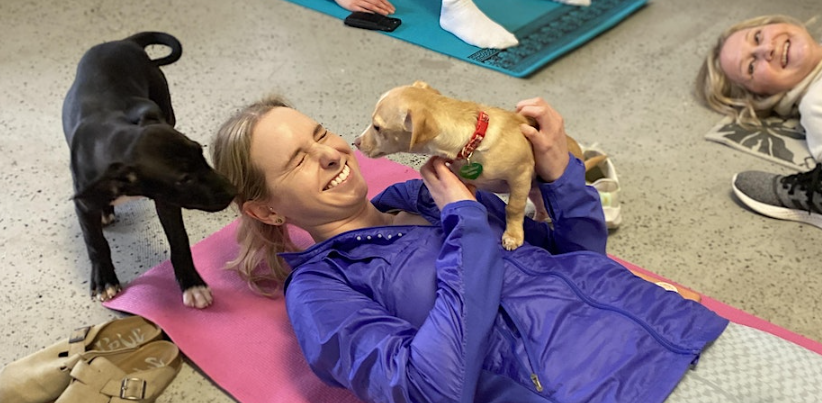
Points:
(529, 102)
(444, 186)
(372, 6)
(427, 171)
(375, 6)
(386, 6)
(549, 141)
(530, 132)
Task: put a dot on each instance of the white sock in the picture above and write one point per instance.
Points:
(585, 3)
(465, 20)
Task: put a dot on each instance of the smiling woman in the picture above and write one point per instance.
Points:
(762, 66)
(410, 296)
(769, 59)
(759, 66)
(259, 242)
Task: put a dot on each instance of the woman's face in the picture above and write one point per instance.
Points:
(311, 173)
(769, 59)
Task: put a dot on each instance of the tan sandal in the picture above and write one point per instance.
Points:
(41, 377)
(132, 376)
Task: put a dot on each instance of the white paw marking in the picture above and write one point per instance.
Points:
(197, 297)
(108, 218)
(108, 293)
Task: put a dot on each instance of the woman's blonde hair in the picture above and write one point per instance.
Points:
(716, 91)
(257, 262)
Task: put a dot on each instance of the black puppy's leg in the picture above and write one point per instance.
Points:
(195, 291)
(104, 283)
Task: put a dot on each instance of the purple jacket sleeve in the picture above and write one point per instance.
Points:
(350, 340)
(576, 214)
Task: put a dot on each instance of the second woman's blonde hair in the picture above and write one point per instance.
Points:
(257, 262)
(718, 92)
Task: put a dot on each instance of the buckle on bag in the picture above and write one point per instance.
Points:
(79, 334)
(133, 389)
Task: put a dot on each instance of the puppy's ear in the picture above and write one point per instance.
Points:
(115, 181)
(422, 126)
(424, 85)
(145, 113)
(420, 84)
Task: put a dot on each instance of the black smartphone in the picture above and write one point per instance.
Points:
(372, 21)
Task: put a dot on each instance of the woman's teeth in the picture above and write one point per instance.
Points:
(785, 53)
(340, 178)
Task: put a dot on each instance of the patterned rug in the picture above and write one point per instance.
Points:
(777, 140)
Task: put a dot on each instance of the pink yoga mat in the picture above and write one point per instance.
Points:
(244, 342)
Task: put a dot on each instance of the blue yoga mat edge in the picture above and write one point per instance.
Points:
(512, 61)
(581, 40)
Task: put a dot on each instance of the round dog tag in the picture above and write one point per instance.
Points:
(471, 170)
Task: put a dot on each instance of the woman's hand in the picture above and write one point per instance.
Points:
(549, 142)
(444, 186)
(370, 6)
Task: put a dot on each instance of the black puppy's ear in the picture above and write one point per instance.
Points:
(145, 113)
(112, 183)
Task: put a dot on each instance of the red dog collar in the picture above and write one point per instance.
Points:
(476, 138)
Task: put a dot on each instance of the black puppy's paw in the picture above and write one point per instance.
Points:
(107, 219)
(104, 284)
(197, 297)
(108, 216)
(106, 293)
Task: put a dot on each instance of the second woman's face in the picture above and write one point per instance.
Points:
(769, 59)
(311, 173)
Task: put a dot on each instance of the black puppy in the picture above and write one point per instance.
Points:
(119, 125)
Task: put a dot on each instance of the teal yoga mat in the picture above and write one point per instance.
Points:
(546, 29)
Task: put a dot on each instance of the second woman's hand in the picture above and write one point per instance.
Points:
(370, 6)
(445, 187)
(549, 142)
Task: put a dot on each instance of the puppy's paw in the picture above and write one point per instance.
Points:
(107, 219)
(511, 241)
(107, 216)
(197, 297)
(106, 294)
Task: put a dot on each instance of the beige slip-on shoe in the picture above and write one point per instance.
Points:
(138, 376)
(42, 376)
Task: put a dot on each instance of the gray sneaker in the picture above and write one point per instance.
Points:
(795, 197)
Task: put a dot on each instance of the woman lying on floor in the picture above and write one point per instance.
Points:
(410, 297)
(762, 66)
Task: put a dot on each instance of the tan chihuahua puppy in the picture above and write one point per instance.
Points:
(484, 143)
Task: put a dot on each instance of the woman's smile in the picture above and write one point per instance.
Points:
(340, 178)
(785, 48)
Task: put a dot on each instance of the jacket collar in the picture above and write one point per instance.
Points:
(411, 196)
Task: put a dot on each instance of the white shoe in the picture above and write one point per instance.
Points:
(603, 178)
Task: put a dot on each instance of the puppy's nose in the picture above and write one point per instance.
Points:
(357, 141)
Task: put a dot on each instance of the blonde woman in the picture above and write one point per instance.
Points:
(764, 65)
(410, 297)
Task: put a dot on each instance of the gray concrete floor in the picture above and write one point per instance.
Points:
(628, 90)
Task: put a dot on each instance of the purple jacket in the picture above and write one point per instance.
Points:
(443, 313)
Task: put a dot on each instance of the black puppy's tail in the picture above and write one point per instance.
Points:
(159, 38)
